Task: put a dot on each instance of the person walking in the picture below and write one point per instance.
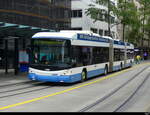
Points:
(138, 59)
(145, 55)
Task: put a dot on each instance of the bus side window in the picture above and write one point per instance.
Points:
(87, 55)
(84, 59)
(76, 56)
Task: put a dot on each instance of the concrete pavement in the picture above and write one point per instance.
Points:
(72, 98)
(10, 78)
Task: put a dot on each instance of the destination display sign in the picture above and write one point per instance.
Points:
(119, 42)
(47, 42)
(92, 38)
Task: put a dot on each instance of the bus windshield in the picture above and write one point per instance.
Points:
(54, 53)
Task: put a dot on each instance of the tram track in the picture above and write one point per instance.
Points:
(25, 92)
(140, 71)
(87, 108)
(16, 84)
(131, 96)
(25, 87)
(30, 85)
(21, 90)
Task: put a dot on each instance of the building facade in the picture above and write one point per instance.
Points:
(20, 19)
(80, 20)
(53, 14)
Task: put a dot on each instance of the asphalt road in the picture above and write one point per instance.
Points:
(122, 91)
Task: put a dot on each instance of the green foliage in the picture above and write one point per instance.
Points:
(145, 16)
(147, 28)
(127, 14)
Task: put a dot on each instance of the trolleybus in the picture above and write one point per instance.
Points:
(71, 56)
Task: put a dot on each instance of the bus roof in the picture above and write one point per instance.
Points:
(66, 34)
(53, 35)
(79, 35)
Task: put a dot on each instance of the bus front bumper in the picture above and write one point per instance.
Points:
(64, 78)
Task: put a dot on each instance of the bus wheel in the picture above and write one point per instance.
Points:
(105, 70)
(83, 76)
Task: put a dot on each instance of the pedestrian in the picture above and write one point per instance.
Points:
(145, 55)
(138, 59)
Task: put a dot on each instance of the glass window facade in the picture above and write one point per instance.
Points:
(76, 13)
(52, 14)
(48, 14)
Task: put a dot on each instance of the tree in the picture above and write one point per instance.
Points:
(145, 18)
(124, 11)
(128, 15)
(98, 14)
(133, 24)
(147, 29)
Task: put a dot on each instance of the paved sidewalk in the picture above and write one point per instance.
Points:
(10, 78)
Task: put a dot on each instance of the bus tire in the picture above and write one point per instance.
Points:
(83, 75)
(106, 70)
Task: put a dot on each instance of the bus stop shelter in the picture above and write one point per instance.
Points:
(15, 37)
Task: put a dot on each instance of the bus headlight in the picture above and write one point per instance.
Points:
(66, 72)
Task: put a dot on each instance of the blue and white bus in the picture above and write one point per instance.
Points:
(71, 56)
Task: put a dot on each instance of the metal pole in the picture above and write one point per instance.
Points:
(125, 55)
(111, 56)
(16, 60)
(124, 27)
(124, 24)
(123, 33)
(143, 30)
(6, 56)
